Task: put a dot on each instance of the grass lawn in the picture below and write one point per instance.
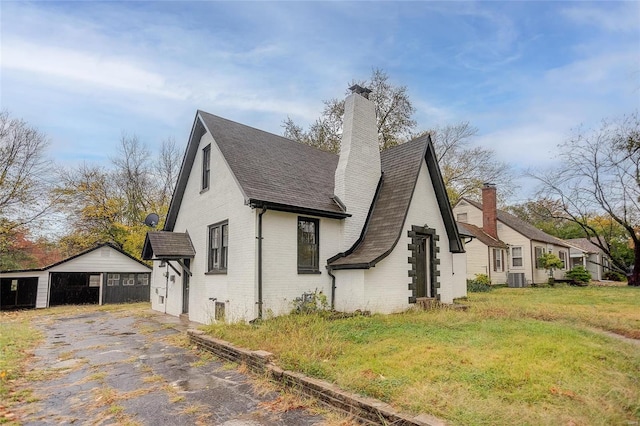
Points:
(517, 356)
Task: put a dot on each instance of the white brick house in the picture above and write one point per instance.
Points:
(258, 220)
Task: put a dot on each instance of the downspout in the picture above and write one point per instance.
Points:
(333, 287)
(264, 209)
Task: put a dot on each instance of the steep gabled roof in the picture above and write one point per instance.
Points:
(167, 245)
(400, 166)
(82, 253)
(521, 226)
(270, 170)
(480, 235)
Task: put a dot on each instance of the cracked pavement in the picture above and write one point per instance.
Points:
(105, 368)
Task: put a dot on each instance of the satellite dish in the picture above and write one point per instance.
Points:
(152, 220)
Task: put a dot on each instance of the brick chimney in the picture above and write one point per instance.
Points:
(359, 170)
(489, 210)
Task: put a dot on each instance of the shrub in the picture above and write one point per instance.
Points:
(579, 276)
(479, 284)
(614, 276)
(310, 303)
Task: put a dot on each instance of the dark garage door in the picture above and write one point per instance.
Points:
(18, 293)
(126, 288)
(72, 288)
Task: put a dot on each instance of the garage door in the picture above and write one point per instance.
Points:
(18, 293)
(73, 288)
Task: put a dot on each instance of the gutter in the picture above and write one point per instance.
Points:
(259, 237)
(333, 287)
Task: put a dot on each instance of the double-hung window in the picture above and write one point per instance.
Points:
(206, 167)
(498, 265)
(539, 253)
(516, 257)
(218, 247)
(563, 258)
(308, 246)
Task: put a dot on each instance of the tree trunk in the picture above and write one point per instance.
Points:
(634, 278)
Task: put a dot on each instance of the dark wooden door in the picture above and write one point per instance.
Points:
(185, 288)
(421, 269)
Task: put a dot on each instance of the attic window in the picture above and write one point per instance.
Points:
(462, 217)
(206, 167)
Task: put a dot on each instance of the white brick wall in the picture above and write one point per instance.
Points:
(358, 171)
(281, 281)
(386, 285)
(222, 201)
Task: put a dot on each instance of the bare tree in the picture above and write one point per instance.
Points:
(393, 112)
(24, 173)
(166, 169)
(466, 168)
(600, 172)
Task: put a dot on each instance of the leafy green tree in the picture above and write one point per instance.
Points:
(550, 262)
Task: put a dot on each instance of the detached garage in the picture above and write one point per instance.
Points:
(103, 274)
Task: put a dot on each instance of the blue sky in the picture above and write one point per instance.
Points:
(524, 73)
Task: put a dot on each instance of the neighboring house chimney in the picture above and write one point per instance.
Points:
(358, 171)
(489, 210)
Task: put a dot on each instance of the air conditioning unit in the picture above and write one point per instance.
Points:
(516, 280)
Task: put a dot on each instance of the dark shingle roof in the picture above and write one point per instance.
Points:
(521, 226)
(167, 245)
(274, 169)
(282, 174)
(480, 235)
(400, 167)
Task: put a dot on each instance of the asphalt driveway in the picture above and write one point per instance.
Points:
(104, 368)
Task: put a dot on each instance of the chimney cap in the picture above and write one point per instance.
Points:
(488, 185)
(360, 90)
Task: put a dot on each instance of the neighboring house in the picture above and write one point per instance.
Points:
(258, 221)
(102, 274)
(584, 253)
(518, 261)
(485, 254)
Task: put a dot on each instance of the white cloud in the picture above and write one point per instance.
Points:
(105, 71)
(612, 16)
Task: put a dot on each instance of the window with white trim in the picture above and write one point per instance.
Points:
(539, 251)
(516, 257)
(113, 279)
(563, 257)
(143, 279)
(129, 279)
(498, 263)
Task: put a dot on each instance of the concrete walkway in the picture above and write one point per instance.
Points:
(104, 368)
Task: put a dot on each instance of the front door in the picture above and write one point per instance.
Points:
(423, 268)
(185, 288)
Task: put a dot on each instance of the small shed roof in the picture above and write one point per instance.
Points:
(167, 245)
(480, 235)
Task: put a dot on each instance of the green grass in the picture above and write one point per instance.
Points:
(517, 356)
(17, 337)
